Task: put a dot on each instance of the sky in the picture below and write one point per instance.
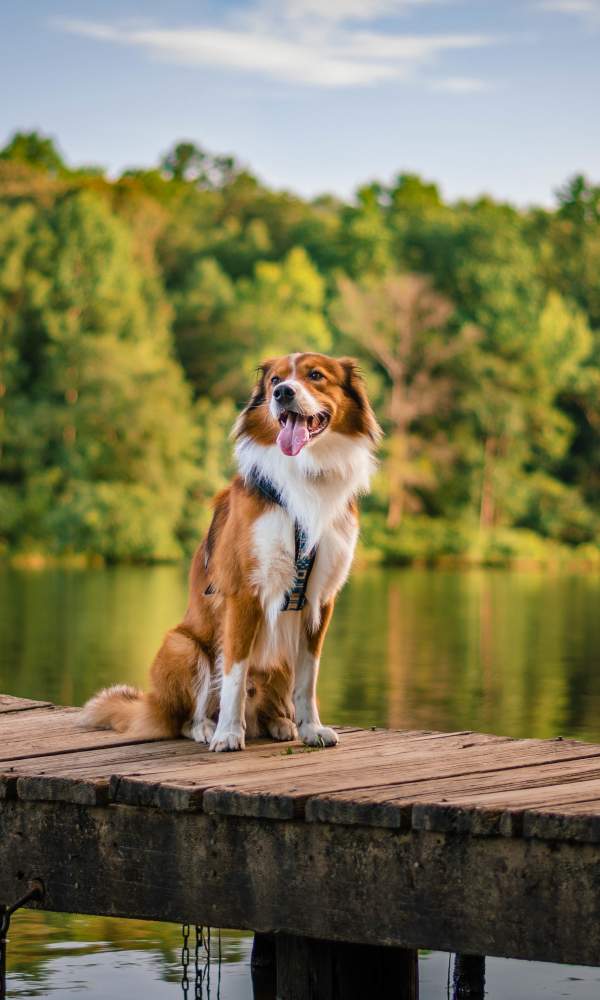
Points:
(481, 96)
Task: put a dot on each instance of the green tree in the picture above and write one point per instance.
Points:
(99, 428)
(37, 150)
(204, 308)
(403, 324)
(279, 311)
(188, 162)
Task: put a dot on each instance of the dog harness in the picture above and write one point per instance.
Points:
(295, 599)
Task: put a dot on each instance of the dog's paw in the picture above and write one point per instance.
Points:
(202, 730)
(228, 739)
(282, 729)
(318, 736)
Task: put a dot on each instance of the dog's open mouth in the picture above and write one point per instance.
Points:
(297, 430)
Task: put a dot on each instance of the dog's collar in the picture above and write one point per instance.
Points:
(295, 599)
(265, 487)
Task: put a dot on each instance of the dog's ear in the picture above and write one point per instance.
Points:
(259, 393)
(354, 387)
(257, 398)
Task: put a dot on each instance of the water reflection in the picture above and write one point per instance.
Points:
(515, 654)
(105, 957)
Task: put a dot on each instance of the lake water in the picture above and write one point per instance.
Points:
(508, 653)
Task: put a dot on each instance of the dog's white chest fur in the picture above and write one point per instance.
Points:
(274, 552)
(316, 489)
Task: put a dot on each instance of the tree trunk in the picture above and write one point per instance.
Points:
(397, 455)
(487, 509)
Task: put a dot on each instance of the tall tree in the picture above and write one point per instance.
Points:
(402, 323)
(99, 428)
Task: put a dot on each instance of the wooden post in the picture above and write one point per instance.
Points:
(309, 969)
(468, 980)
(263, 967)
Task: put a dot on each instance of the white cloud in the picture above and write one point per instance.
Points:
(294, 42)
(571, 6)
(460, 85)
(348, 10)
(587, 9)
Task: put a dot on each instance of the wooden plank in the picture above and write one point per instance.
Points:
(499, 896)
(289, 794)
(480, 802)
(491, 811)
(276, 785)
(567, 820)
(53, 730)
(472, 783)
(50, 730)
(188, 768)
(8, 703)
(268, 782)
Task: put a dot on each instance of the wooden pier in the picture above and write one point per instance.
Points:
(462, 842)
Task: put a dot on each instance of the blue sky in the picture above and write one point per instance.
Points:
(316, 95)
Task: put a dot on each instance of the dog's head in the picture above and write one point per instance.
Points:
(300, 398)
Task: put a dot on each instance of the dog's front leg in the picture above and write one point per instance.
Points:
(242, 616)
(306, 673)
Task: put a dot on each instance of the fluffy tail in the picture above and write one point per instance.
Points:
(127, 710)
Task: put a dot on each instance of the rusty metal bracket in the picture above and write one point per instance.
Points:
(35, 892)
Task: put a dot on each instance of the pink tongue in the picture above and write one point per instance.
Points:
(294, 435)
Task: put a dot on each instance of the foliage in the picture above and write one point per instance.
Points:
(98, 435)
(134, 311)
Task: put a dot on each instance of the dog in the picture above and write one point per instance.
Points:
(245, 659)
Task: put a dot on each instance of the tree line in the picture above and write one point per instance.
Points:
(133, 312)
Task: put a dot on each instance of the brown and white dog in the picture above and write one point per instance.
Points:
(240, 663)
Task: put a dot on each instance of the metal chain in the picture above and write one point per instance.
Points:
(199, 941)
(4, 925)
(202, 959)
(185, 960)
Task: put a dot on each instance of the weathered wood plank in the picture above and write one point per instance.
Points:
(577, 821)
(481, 802)
(381, 787)
(49, 730)
(513, 897)
(8, 703)
(286, 794)
(503, 812)
(393, 853)
(275, 784)
(183, 763)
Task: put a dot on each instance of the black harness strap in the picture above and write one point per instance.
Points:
(295, 599)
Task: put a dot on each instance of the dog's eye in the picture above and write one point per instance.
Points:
(315, 376)
(275, 380)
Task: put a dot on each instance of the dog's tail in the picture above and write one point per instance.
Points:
(127, 710)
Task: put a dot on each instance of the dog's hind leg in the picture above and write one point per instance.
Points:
(181, 679)
(201, 727)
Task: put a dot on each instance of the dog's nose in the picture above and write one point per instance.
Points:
(284, 393)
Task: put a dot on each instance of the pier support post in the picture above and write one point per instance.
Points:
(468, 979)
(263, 966)
(308, 969)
